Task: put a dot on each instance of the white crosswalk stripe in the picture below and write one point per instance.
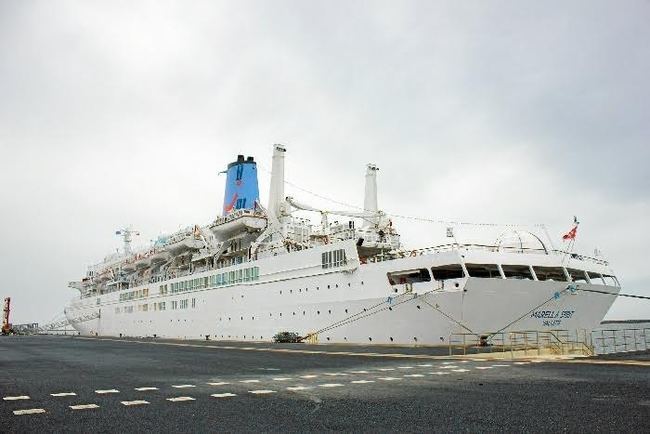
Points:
(181, 399)
(145, 389)
(84, 406)
(328, 385)
(261, 392)
(136, 402)
(63, 394)
(219, 383)
(103, 392)
(16, 398)
(362, 381)
(29, 411)
(183, 386)
(223, 395)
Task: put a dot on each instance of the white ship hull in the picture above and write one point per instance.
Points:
(354, 303)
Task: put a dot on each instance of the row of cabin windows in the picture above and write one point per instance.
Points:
(221, 279)
(133, 295)
(159, 306)
(491, 271)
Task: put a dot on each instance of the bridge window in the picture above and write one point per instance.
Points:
(577, 275)
(550, 273)
(334, 258)
(610, 280)
(409, 276)
(483, 270)
(517, 272)
(451, 271)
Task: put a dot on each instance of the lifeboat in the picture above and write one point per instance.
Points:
(236, 223)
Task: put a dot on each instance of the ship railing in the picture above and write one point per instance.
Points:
(522, 343)
(507, 249)
(611, 341)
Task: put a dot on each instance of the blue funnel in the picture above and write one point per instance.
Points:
(242, 190)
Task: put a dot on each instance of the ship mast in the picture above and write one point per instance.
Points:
(127, 235)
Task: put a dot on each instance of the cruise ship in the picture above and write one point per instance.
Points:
(256, 271)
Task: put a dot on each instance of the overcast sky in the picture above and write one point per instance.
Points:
(499, 111)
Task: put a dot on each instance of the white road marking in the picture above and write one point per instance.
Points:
(103, 392)
(501, 366)
(16, 398)
(84, 406)
(483, 367)
(261, 392)
(336, 374)
(63, 394)
(145, 389)
(464, 361)
(449, 367)
(440, 373)
(362, 381)
(386, 369)
(425, 365)
(249, 381)
(448, 363)
(181, 399)
(281, 379)
(223, 395)
(388, 378)
(220, 383)
(359, 372)
(183, 386)
(136, 402)
(269, 369)
(405, 367)
(414, 375)
(330, 385)
(29, 411)
(294, 388)
(308, 376)
(522, 363)
(460, 370)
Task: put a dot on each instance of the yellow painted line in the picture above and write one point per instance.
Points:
(15, 398)
(279, 350)
(29, 411)
(642, 363)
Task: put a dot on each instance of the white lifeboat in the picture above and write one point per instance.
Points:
(243, 220)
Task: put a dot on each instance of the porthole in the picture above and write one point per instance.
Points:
(328, 338)
(364, 309)
(391, 339)
(303, 312)
(299, 289)
(294, 314)
(306, 289)
(419, 307)
(395, 289)
(346, 311)
(337, 285)
(349, 284)
(345, 338)
(291, 291)
(253, 318)
(317, 288)
(280, 292)
(280, 313)
(328, 286)
(362, 282)
(415, 338)
(270, 314)
(329, 311)
(242, 318)
(318, 312)
(370, 339)
(390, 308)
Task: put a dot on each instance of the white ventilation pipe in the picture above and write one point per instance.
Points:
(370, 196)
(276, 192)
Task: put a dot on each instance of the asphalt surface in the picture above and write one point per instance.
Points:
(135, 386)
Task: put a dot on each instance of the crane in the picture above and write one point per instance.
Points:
(6, 327)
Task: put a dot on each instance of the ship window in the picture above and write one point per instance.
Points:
(550, 273)
(610, 280)
(577, 275)
(489, 271)
(517, 272)
(409, 276)
(451, 271)
(334, 258)
(596, 278)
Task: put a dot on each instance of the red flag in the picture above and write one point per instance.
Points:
(571, 235)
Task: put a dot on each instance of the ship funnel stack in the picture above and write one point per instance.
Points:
(242, 190)
(370, 197)
(276, 193)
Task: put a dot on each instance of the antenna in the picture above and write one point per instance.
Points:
(127, 235)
